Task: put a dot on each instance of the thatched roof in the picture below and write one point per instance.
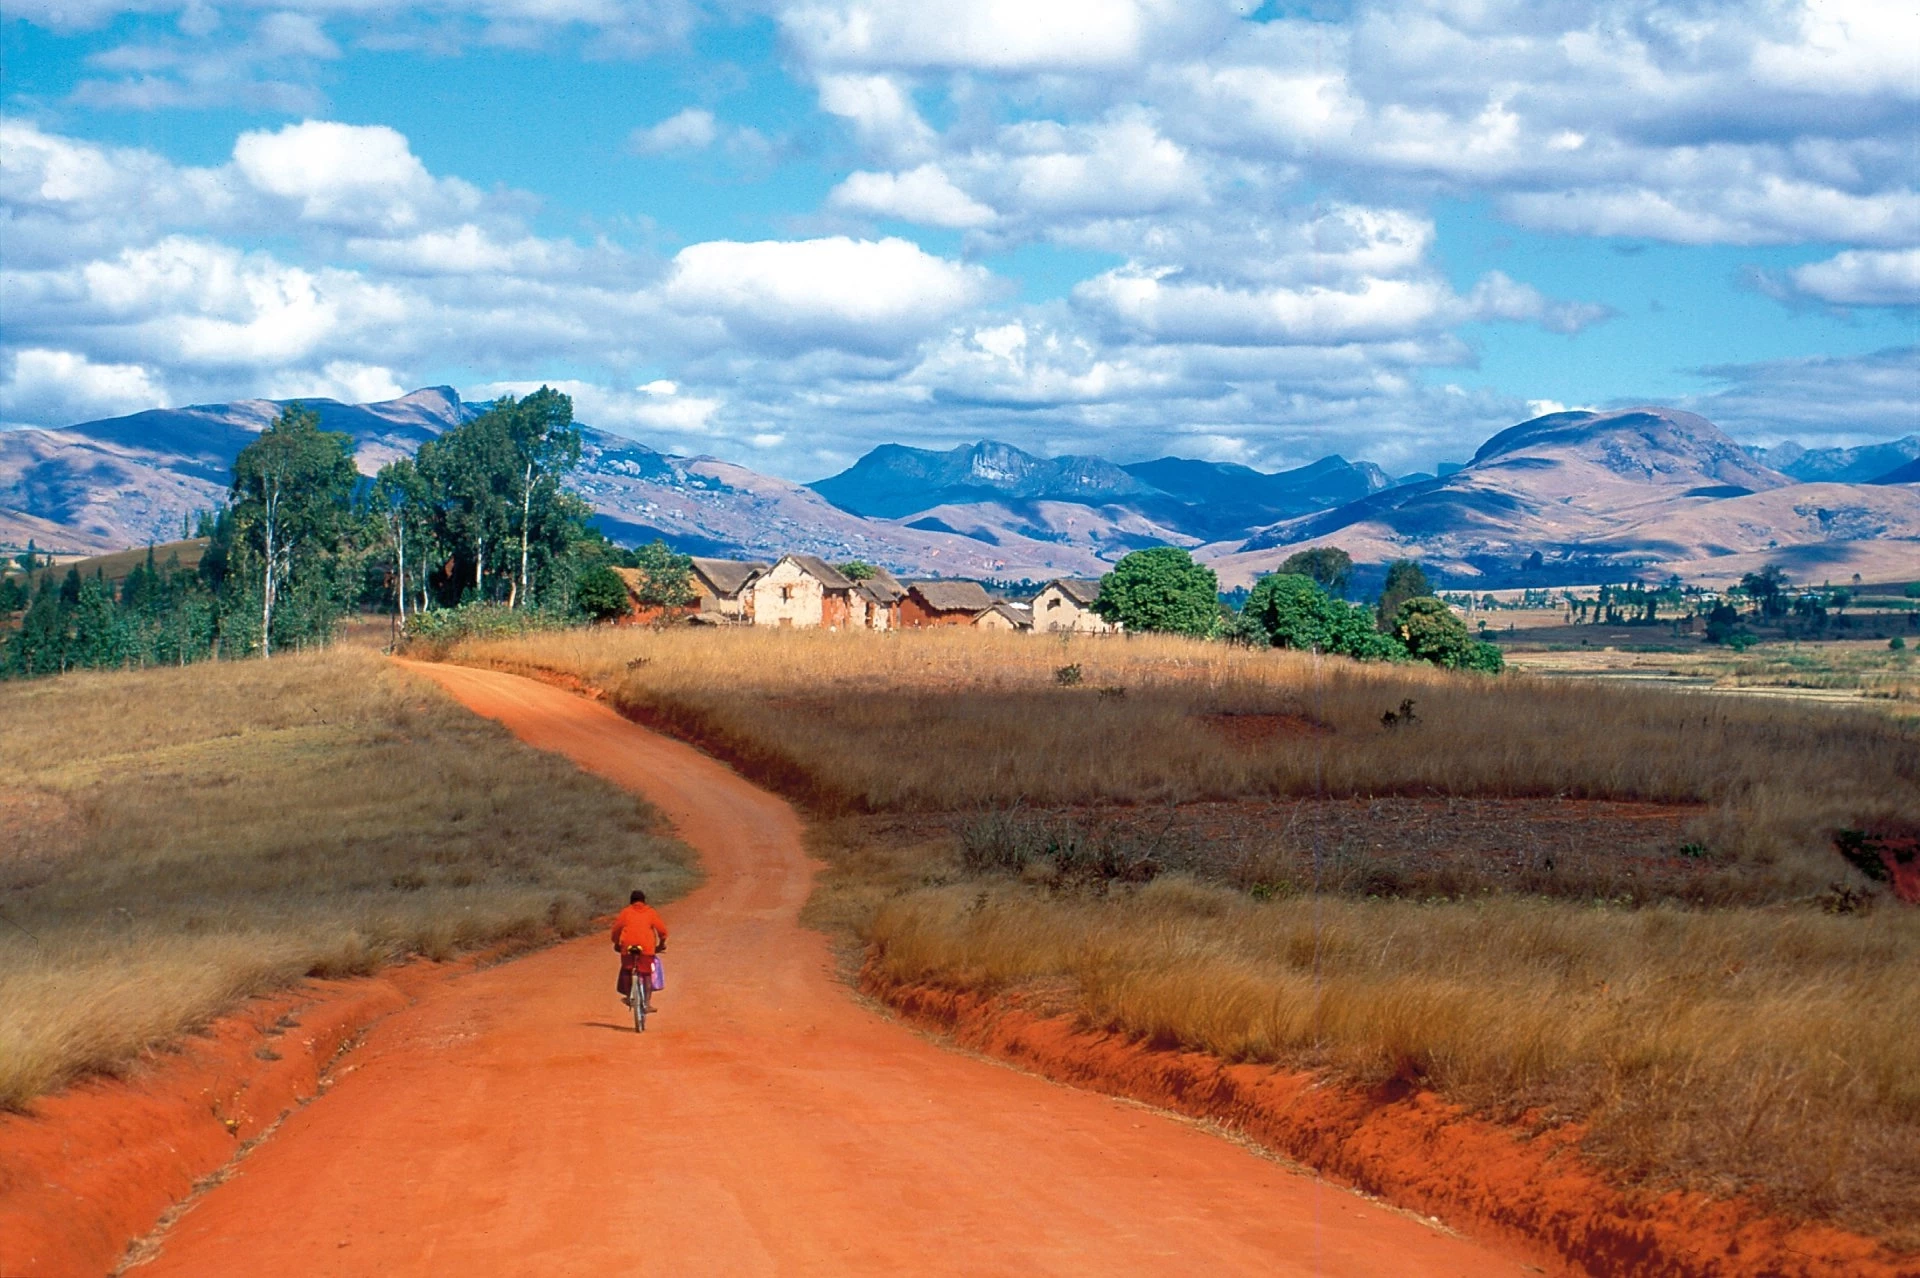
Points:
(1078, 589)
(1021, 617)
(726, 576)
(821, 571)
(884, 586)
(951, 596)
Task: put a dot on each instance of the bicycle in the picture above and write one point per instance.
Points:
(640, 989)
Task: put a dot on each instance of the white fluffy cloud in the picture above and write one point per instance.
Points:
(989, 35)
(692, 129)
(925, 195)
(359, 177)
(869, 296)
(1863, 278)
(62, 386)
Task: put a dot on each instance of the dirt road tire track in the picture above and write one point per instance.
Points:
(765, 1123)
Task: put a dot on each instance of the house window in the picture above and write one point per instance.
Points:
(1053, 603)
(786, 594)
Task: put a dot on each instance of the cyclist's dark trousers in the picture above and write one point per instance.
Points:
(628, 967)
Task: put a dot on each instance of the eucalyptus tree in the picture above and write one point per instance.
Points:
(291, 506)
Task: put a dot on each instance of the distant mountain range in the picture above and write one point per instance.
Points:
(1169, 500)
(1567, 497)
(1872, 464)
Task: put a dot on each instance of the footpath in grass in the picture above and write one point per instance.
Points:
(1609, 908)
(173, 841)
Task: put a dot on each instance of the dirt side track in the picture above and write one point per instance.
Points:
(765, 1124)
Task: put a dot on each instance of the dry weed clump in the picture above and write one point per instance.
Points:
(182, 839)
(958, 719)
(1745, 1050)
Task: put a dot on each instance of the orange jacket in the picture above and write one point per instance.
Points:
(635, 926)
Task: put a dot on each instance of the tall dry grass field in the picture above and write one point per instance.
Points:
(990, 828)
(951, 719)
(172, 841)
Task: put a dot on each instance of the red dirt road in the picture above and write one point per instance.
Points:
(764, 1124)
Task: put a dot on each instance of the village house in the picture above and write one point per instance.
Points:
(1004, 616)
(1066, 604)
(802, 591)
(722, 585)
(943, 603)
(875, 603)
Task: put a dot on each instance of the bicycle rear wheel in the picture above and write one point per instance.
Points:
(639, 1003)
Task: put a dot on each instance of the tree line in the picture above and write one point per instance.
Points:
(479, 515)
(1302, 606)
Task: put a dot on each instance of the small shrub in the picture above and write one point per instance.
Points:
(1896, 644)
(1840, 898)
(1862, 851)
(1067, 676)
(1404, 717)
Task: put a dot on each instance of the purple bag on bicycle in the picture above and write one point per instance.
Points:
(658, 980)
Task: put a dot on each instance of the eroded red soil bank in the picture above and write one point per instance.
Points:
(1416, 1151)
(94, 1167)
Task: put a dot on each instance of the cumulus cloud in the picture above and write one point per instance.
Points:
(989, 35)
(925, 195)
(690, 130)
(868, 296)
(881, 112)
(348, 382)
(355, 177)
(49, 386)
(1863, 278)
(651, 410)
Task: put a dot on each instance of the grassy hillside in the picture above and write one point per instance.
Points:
(1607, 905)
(174, 840)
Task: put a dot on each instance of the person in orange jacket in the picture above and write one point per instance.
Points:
(634, 931)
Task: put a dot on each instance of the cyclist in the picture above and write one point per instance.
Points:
(634, 931)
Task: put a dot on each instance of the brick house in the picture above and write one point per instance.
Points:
(943, 603)
(1066, 604)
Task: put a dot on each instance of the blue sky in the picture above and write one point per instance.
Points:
(783, 232)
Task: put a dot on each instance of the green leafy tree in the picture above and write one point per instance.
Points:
(292, 499)
(1161, 589)
(1768, 590)
(1432, 633)
(1329, 567)
(857, 570)
(546, 447)
(398, 501)
(601, 593)
(666, 579)
(1405, 581)
(1723, 622)
(1289, 610)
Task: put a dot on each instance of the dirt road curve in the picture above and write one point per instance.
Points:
(764, 1124)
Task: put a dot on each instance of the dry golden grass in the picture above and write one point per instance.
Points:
(1726, 1051)
(172, 841)
(957, 719)
(1767, 1048)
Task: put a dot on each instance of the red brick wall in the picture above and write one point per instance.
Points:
(915, 613)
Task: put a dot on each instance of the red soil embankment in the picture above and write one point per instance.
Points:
(1415, 1151)
(98, 1164)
